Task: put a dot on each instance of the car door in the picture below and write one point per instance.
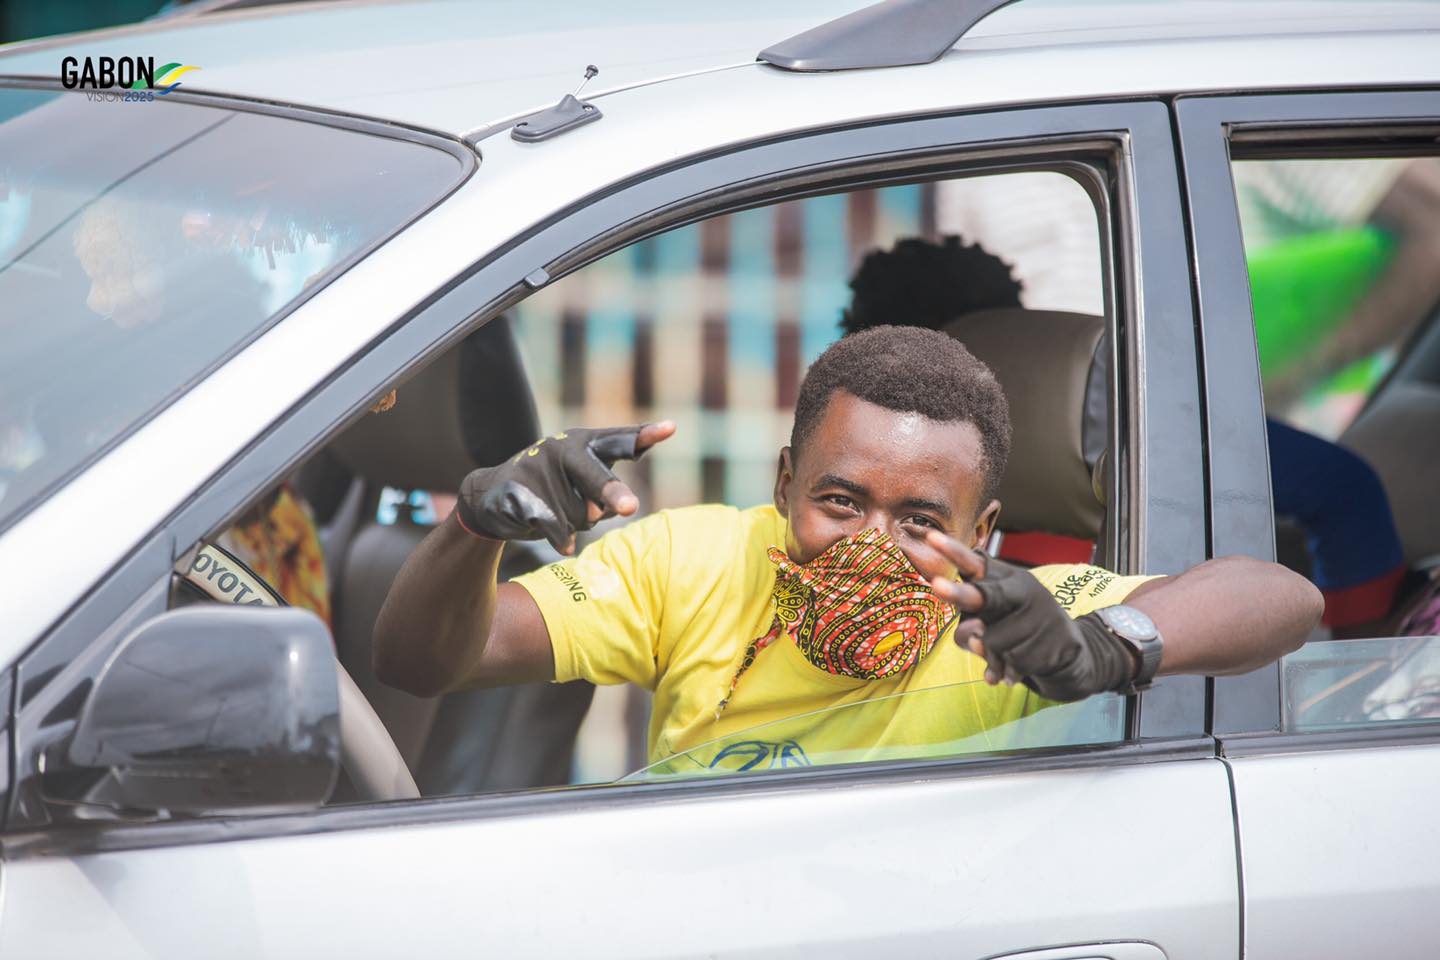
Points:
(1333, 751)
(1128, 842)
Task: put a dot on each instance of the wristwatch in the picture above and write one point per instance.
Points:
(1138, 632)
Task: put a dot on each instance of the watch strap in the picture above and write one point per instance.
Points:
(1144, 642)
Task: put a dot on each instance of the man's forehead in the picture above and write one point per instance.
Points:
(865, 443)
(857, 427)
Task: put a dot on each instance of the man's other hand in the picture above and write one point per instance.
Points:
(1023, 634)
(557, 486)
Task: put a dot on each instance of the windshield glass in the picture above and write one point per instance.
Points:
(846, 734)
(141, 242)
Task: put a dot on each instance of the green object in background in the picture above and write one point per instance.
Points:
(1302, 287)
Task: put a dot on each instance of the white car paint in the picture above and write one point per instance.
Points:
(907, 870)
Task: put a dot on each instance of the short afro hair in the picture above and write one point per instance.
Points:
(910, 370)
(917, 283)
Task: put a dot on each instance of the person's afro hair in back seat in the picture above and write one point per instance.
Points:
(917, 283)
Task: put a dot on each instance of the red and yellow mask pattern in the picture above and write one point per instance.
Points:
(860, 609)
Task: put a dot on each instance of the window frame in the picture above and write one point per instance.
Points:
(1158, 436)
(1239, 508)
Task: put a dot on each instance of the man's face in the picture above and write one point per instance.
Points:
(865, 466)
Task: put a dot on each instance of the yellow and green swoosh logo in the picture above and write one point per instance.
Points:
(167, 76)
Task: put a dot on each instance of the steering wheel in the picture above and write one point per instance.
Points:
(367, 751)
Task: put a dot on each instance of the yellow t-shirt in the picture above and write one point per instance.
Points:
(671, 602)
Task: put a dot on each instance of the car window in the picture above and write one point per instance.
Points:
(713, 325)
(141, 242)
(841, 734)
(1347, 683)
(1345, 286)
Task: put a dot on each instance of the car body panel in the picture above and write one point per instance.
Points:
(909, 868)
(1339, 851)
(456, 67)
(447, 65)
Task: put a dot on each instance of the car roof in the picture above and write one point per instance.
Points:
(456, 66)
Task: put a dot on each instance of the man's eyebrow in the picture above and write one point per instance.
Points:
(933, 506)
(831, 480)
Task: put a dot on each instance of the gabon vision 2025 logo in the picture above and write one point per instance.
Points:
(125, 79)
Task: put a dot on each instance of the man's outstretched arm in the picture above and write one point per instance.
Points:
(446, 624)
(1224, 616)
(1229, 615)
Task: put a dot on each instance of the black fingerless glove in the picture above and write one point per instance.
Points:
(542, 491)
(1027, 631)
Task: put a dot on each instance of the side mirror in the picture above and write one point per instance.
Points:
(208, 710)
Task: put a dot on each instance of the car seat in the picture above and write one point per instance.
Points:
(1052, 367)
(471, 407)
(1399, 435)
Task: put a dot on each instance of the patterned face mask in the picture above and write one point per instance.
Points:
(860, 609)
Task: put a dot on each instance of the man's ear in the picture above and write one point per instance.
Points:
(985, 523)
(784, 474)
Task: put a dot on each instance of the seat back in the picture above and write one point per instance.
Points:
(1399, 435)
(1051, 366)
(471, 407)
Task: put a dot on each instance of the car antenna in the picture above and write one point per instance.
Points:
(570, 112)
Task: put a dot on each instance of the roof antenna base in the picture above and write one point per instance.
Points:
(566, 115)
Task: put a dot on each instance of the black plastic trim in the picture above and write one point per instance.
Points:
(1369, 736)
(468, 159)
(1238, 466)
(80, 839)
(10, 699)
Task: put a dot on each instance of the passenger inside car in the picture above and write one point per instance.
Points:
(843, 590)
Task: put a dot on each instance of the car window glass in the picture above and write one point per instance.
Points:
(1347, 683)
(840, 735)
(1345, 285)
(141, 242)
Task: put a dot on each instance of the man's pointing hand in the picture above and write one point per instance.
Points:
(1023, 634)
(557, 486)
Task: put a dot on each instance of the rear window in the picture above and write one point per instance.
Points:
(140, 243)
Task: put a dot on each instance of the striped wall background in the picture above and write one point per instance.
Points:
(712, 325)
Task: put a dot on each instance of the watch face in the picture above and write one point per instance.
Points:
(1129, 623)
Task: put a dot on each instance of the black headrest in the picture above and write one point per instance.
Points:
(472, 407)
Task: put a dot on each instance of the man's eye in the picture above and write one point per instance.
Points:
(920, 521)
(840, 500)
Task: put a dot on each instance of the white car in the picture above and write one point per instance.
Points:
(209, 275)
